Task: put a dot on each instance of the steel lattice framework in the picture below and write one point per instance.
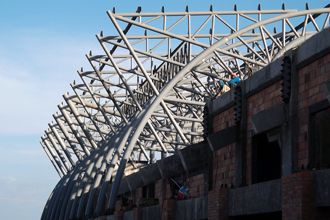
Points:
(143, 97)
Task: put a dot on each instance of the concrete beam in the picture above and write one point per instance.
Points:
(258, 198)
(313, 48)
(262, 121)
(196, 159)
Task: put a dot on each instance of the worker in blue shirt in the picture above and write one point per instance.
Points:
(234, 81)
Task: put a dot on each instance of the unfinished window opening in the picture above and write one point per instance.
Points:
(320, 139)
(148, 195)
(266, 156)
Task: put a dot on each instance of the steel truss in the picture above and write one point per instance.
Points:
(143, 98)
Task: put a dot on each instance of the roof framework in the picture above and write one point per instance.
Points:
(142, 99)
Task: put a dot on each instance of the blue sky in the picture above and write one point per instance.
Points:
(42, 44)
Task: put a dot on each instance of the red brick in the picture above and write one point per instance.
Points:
(297, 196)
(218, 200)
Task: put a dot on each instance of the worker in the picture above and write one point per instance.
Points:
(223, 87)
(234, 81)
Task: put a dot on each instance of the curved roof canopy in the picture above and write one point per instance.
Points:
(143, 97)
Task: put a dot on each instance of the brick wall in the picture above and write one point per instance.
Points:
(218, 200)
(224, 120)
(224, 158)
(311, 78)
(224, 166)
(196, 186)
(297, 196)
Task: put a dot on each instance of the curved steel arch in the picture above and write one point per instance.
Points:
(116, 148)
(139, 121)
